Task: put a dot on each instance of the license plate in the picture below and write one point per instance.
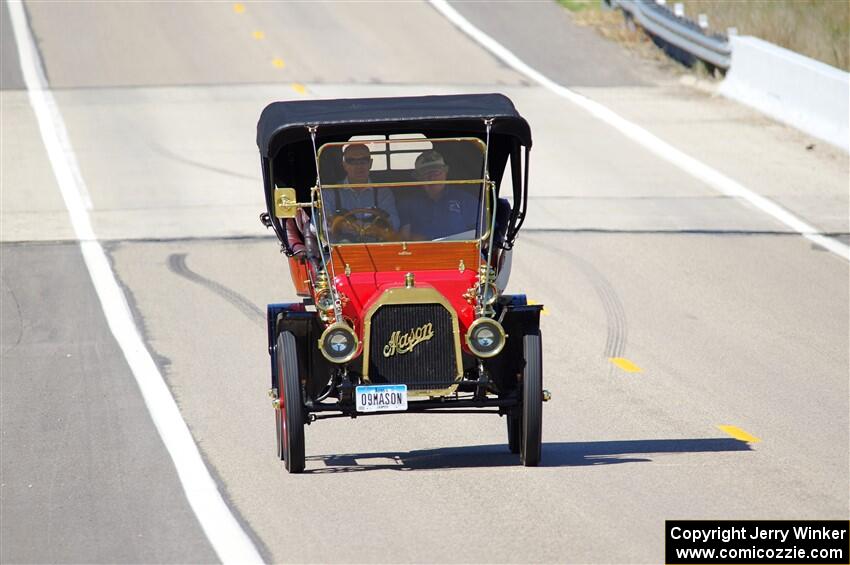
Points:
(380, 398)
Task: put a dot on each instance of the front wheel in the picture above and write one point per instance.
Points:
(290, 411)
(532, 401)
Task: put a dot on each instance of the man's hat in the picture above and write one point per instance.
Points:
(428, 160)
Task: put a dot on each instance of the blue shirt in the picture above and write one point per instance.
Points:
(455, 211)
(341, 200)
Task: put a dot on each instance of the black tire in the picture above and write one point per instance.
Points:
(290, 415)
(514, 432)
(532, 401)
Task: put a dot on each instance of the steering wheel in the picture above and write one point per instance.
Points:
(362, 225)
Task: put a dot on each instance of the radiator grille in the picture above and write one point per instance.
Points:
(430, 364)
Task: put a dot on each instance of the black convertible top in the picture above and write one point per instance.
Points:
(282, 123)
(287, 151)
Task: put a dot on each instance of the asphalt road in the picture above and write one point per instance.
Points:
(732, 320)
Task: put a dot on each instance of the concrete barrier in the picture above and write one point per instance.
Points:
(807, 94)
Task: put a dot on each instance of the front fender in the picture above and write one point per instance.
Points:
(314, 370)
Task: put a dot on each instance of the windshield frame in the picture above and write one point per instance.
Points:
(489, 188)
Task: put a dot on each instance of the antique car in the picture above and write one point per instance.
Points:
(399, 245)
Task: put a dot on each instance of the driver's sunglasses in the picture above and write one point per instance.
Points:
(358, 160)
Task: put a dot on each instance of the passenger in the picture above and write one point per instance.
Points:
(440, 211)
(357, 162)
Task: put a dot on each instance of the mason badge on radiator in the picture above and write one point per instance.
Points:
(404, 343)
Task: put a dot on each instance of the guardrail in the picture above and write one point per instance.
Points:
(792, 88)
(678, 31)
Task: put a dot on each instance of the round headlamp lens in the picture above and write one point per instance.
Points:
(486, 337)
(338, 343)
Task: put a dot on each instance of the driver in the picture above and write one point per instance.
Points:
(357, 161)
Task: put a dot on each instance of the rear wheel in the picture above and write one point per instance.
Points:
(514, 432)
(532, 401)
(278, 427)
(289, 416)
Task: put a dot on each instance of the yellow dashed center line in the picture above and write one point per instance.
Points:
(299, 88)
(533, 302)
(625, 364)
(277, 62)
(738, 433)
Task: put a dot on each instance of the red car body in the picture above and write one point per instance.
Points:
(397, 315)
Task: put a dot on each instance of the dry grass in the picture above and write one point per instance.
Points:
(611, 24)
(819, 29)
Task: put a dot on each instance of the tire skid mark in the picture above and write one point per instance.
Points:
(615, 312)
(4, 287)
(163, 362)
(167, 153)
(177, 265)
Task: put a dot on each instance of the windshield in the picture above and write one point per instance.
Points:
(412, 189)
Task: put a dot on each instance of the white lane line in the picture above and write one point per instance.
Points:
(662, 149)
(228, 539)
